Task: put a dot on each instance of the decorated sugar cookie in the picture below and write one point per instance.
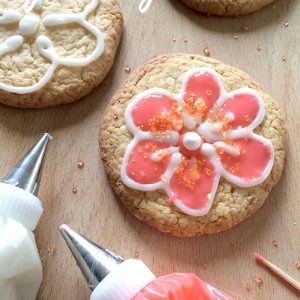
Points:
(55, 52)
(192, 146)
(227, 7)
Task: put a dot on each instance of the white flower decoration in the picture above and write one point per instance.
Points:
(28, 25)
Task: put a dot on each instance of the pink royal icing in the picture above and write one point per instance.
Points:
(184, 143)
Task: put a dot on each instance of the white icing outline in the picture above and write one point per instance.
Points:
(208, 149)
(144, 5)
(45, 46)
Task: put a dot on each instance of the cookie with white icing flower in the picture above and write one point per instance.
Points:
(55, 52)
(192, 146)
(227, 7)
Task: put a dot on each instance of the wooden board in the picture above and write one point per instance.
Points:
(224, 259)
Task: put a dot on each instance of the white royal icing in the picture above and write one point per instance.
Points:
(11, 44)
(28, 25)
(192, 141)
(210, 132)
(144, 5)
(9, 16)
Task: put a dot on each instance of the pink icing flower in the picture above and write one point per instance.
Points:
(184, 143)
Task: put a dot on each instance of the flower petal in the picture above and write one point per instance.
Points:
(151, 111)
(193, 185)
(243, 108)
(140, 167)
(252, 163)
(202, 85)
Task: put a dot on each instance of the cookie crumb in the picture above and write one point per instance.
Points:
(136, 254)
(283, 58)
(185, 40)
(259, 281)
(127, 69)
(248, 287)
(297, 264)
(74, 190)
(235, 37)
(286, 24)
(206, 51)
(246, 28)
(174, 40)
(80, 164)
(258, 48)
(275, 243)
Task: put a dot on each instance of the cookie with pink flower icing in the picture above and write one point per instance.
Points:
(192, 146)
(55, 52)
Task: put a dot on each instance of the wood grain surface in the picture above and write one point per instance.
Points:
(225, 259)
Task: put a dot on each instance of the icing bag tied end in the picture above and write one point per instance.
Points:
(26, 174)
(94, 261)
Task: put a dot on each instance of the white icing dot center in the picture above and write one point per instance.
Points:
(192, 141)
(29, 25)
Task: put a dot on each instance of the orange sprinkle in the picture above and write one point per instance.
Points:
(297, 264)
(275, 243)
(259, 281)
(206, 51)
(136, 254)
(80, 164)
(74, 190)
(127, 69)
(247, 118)
(208, 171)
(248, 287)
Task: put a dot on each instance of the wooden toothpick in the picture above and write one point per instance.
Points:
(278, 271)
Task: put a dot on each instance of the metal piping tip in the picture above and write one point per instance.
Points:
(94, 261)
(27, 173)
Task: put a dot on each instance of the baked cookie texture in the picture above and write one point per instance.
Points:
(25, 66)
(227, 7)
(232, 204)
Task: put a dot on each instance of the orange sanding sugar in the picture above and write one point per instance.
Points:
(189, 172)
(224, 121)
(166, 121)
(195, 107)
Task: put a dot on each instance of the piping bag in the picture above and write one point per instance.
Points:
(20, 211)
(110, 277)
